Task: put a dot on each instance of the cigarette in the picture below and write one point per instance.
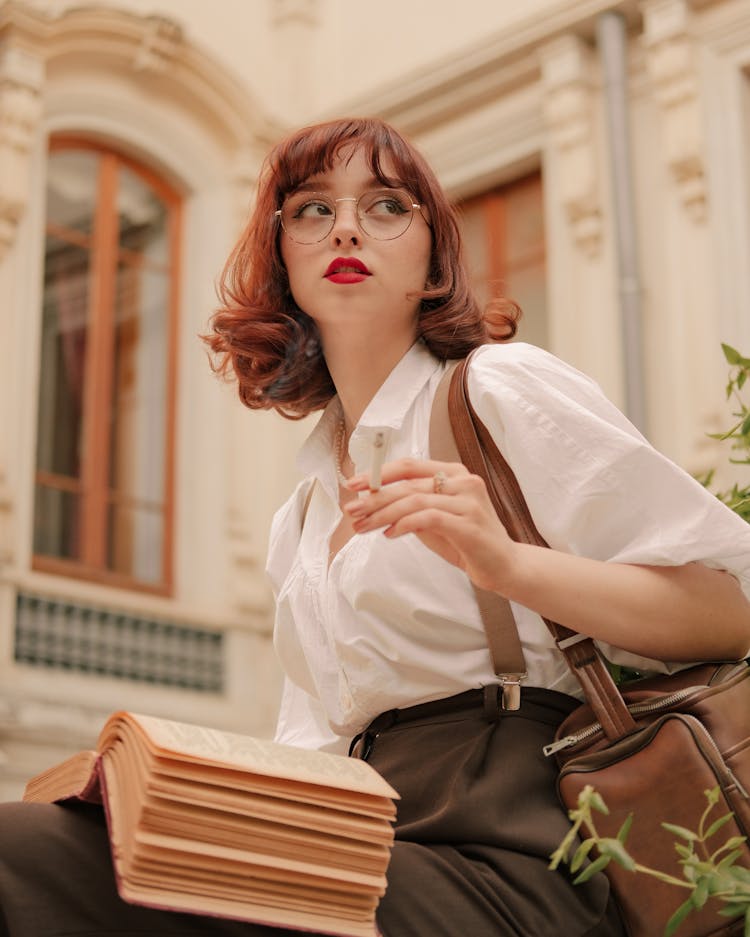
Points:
(378, 455)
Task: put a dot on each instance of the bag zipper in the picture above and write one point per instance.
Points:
(699, 730)
(635, 709)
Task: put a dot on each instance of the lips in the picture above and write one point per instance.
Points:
(346, 270)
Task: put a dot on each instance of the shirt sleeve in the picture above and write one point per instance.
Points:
(302, 722)
(284, 536)
(594, 486)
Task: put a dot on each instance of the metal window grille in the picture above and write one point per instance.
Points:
(68, 636)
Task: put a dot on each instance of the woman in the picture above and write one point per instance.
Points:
(347, 293)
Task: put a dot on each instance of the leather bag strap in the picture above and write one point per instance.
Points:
(497, 616)
(480, 455)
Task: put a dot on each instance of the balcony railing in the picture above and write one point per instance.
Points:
(65, 635)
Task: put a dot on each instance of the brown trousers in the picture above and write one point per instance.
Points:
(478, 819)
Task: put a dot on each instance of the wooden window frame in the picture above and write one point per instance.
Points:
(494, 206)
(93, 485)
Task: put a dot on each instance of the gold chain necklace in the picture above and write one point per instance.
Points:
(338, 452)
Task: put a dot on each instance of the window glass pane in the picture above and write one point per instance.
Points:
(525, 221)
(143, 218)
(139, 383)
(135, 546)
(63, 359)
(528, 288)
(474, 233)
(71, 188)
(139, 421)
(57, 523)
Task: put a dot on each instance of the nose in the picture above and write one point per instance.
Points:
(346, 228)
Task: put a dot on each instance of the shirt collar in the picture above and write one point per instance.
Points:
(385, 413)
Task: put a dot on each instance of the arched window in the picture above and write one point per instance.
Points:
(503, 231)
(105, 427)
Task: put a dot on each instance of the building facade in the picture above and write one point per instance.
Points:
(599, 152)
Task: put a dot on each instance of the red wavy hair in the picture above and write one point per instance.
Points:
(260, 333)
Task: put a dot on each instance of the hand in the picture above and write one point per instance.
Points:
(446, 507)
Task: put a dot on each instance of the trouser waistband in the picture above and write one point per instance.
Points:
(537, 703)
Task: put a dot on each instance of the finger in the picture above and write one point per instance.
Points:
(375, 500)
(392, 513)
(438, 484)
(405, 469)
(430, 519)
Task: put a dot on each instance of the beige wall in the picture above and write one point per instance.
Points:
(199, 89)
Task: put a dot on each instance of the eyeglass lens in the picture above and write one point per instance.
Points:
(384, 214)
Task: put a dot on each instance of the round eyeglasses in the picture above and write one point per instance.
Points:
(385, 214)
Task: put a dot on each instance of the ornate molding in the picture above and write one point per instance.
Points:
(569, 111)
(250, 597)
(671, 65)
(159, 44)
(7, 513)
(21, 80)
(144, 50)
(285, 12)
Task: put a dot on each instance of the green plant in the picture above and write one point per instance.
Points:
(738, 497)
(709, 876)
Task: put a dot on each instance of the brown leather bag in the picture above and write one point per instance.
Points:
(651, 747)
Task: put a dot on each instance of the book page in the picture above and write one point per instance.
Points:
(325, 819)
(218, 776)
(75, 778)
(261, 756)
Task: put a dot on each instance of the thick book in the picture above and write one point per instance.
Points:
(211, 822)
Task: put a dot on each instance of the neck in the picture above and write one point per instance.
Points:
(358, 369)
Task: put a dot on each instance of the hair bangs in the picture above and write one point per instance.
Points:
(314, 151)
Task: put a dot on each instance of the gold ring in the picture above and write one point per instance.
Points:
(438, 482)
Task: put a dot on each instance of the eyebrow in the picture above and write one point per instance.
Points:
(323, 186)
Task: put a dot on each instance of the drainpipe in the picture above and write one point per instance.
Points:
(612, 42)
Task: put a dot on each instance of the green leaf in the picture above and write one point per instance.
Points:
(597, 803)
(681, 832)
(684, 851)
(731, 354)
(717, 825)
(733, 910)
(700, 893)
(741, 378)
(591, 870)
(615, 850)
(729, 860)
(712, 795)
(718, 884)
(581, 854)
(746, 426)
(678, 917)
(733, 842)
(622, 833)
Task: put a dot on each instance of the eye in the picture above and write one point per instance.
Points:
(310, 207)
(387, 202)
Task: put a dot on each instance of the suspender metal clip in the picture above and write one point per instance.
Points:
(511, 684)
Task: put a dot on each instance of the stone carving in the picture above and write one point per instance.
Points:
(161, 39)
(21, 78)
(672, 67)
(569, 109)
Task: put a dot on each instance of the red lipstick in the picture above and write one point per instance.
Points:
(346, 270)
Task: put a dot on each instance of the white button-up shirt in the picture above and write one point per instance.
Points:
(390, 623)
